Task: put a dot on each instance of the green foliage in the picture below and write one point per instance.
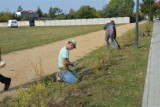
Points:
(20, 9)
(71, 14)
(133, 17)
(51, 13)
(39, 11)
(145, 8)
(54, 12)
(118, 8)
(61, 16)
(156, 7)
(5, 16)
(86, 12)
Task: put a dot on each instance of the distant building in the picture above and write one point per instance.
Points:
(30, 14)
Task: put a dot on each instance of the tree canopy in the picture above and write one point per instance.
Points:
(54, 12)
(145, 7)
(118, 8)
(86, 12)
(71, 14)
(39, 11)
(5, 16)
(19, 9)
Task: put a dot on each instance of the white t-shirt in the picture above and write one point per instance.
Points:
(64, 53)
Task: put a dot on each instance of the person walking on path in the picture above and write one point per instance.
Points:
(151, 95)
(63, 59)
(111, 34)
(4, 80)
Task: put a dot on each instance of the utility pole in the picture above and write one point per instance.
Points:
(137, 20)
(150, 13)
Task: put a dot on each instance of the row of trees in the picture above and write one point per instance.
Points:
(4, 16)
(115, 8)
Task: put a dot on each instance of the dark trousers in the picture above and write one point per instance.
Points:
(114, 43)
(4, 79)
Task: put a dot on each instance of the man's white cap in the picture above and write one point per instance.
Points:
(73, 42)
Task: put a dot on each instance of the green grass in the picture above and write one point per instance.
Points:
(112, 78)
(13, 39)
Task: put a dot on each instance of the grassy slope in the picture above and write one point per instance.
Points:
(13, 39)
(112, 78)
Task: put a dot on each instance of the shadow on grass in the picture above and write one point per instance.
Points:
(129, 44)
(51, 77)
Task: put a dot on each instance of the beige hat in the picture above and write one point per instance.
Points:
(73, 42)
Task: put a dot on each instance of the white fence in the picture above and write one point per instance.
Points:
(4, 24)
(20, 24)
(96, 21)
(23, 23)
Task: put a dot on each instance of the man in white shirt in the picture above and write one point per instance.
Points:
(63, 58)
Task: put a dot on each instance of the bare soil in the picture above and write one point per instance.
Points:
(21, 65)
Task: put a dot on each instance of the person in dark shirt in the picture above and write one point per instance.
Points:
(111, 34)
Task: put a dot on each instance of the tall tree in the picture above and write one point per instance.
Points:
(157, 8)
(39, 11)
(57, 10)
(86, 12)
(145, 7)
(54, 12)
(19, 9)
(118, 8)
(51, 13)
(71, 14)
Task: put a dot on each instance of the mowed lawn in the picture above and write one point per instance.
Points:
(13, 39)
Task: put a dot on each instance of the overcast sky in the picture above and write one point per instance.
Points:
(65, 5)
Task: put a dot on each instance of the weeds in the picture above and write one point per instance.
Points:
(112, 78)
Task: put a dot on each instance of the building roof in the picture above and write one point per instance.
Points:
(29, 11)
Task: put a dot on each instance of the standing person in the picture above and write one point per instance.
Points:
(115, 34)
(111, 34)
(5, 80)
(63, 59)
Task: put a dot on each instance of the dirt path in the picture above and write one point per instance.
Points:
(20, 64)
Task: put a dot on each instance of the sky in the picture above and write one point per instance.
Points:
(65, 5)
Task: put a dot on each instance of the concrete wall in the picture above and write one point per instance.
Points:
(23, 23)
(4, 24)
(20, 24)
(95, 21)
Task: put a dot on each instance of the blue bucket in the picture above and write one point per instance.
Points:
(68, 76)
